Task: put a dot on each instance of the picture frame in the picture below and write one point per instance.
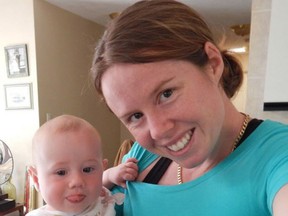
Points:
(18, 96)
(16, 61)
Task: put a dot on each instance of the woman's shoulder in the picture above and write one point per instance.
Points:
(274, 130)
(268, 123)
(270, 137)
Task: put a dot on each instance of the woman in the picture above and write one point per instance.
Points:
(160, 72)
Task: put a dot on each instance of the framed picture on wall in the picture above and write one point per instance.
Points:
(16, 61)
(18, 96)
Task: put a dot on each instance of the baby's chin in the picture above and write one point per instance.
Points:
(77, 211)
(71, 209)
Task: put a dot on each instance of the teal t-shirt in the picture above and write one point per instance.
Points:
(245, 183)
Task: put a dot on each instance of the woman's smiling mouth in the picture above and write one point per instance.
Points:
(182, 142)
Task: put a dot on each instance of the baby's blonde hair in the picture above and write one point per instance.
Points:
(62, 124)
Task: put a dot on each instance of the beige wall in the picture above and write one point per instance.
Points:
(239, 100)
(65, 44)
(275, 87)
(18, 126)
(260, 57)
(60, 48)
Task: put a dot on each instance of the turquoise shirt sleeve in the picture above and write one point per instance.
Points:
(278, 162)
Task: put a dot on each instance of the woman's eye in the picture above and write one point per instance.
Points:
(61, 172)
(88, 169)
(166, 94)
(135, 117)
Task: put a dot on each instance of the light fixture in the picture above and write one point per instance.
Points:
(241, 29)
(113, 15)
(238, 50)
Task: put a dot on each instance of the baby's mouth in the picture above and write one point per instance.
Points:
(182, 142)
(76, 198)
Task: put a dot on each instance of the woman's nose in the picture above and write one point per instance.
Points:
(160, 126)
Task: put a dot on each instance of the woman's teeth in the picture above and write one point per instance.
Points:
(181, 143)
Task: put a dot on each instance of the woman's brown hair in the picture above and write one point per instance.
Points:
(158, 30)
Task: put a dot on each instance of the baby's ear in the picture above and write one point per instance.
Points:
(33, 174)
(105, 163)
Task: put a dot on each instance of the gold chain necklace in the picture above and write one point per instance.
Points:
(179, 174)
(240, 135)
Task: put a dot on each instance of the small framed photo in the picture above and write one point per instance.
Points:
(18, 96)
(17, 61)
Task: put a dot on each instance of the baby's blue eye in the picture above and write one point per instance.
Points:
(88, 169)
(61, 172)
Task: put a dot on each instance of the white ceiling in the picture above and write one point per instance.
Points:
(222, 13)
(226, 12)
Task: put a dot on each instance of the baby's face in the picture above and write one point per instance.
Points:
(70, 169)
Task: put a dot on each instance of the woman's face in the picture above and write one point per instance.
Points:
(172, 108)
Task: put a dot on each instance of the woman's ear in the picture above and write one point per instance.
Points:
(215, 64)
(33, 174)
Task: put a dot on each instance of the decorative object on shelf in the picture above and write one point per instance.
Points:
(9, 188)
(8, 191)
(18, 96)
(17, 61)
(6, 163)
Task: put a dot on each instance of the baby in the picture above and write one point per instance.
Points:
(68, 169)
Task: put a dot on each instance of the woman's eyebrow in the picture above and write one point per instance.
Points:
(160, 85)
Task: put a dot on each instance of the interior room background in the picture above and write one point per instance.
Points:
(60, 46)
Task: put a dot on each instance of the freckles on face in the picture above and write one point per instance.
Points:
(173, 98)
(123, 88)
(128, 88)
